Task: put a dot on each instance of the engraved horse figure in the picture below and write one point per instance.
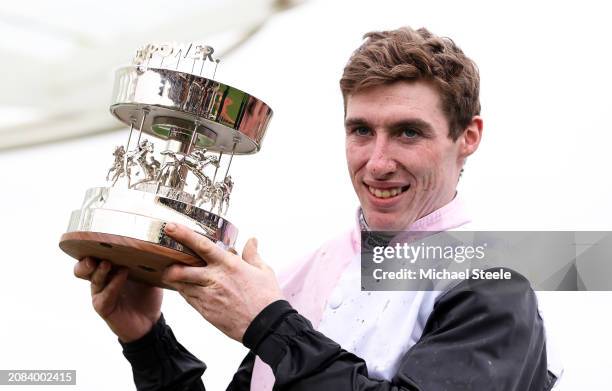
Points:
(220, 193)
(143, 158)
(118, 165)
(204, 191)
(226, 188)
(195, 162)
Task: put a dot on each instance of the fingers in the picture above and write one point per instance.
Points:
(98, 278)
(249, 253)
(202, 246)
(98, 272)
(109, 294)
(84, 268)
(180, 274)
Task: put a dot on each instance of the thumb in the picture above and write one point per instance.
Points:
(250, 254)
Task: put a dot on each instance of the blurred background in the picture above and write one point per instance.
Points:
(543, 164)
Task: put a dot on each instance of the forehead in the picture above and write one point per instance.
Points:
(389, 103)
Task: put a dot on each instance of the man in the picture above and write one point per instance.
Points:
(412, 108)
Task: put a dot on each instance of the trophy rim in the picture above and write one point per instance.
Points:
(170, 93)
(142, 215)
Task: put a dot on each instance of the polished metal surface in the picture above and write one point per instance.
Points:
(225, 118)
(166, 191)
(203, 124)
(141, 215)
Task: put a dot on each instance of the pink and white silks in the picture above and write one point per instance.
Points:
(325, 288)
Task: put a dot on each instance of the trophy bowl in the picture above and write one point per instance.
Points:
(202, 123)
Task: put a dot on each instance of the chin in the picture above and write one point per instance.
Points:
(385, 223)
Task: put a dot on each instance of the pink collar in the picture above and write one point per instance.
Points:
(451, 215)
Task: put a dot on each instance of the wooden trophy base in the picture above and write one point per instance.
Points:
(146, 261)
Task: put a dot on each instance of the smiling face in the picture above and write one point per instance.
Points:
(402, 163)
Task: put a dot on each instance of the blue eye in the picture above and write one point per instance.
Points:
(410, 133)
(362, 131)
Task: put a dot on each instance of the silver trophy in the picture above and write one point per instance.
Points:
(203, 124)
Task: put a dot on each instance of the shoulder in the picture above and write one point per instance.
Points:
(492, 293)
(490, 332)
(508, 303)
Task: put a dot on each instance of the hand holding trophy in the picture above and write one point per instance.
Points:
(203, 123)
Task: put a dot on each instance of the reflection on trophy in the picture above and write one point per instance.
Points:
(203, 124)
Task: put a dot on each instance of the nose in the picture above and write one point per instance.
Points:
(381, 163)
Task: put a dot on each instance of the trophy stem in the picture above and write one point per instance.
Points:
(144, 116)
(193, 137)
(175, 173)
(127, 147)
(215, 71)
(231, 158)
(217, 166)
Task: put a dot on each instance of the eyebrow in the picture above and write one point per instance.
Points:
(418, 123)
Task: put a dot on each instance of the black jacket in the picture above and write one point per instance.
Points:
(481, 335)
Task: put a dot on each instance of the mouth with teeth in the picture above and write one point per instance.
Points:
(387, 193)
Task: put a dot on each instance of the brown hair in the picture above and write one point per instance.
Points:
(406, 54)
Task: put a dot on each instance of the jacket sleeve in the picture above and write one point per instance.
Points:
(242, 378)
(159, 363)
(481, 335)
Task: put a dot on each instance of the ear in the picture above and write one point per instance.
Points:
(470, 138)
